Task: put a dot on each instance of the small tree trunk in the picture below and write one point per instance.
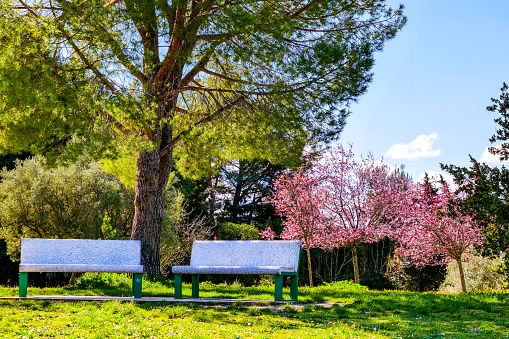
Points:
(356, 275)
(74, 277)
(462, 276)
(308, 252)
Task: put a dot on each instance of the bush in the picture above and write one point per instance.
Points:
(231, 231)
(179, 232)
(481, 274)
(376, 281)
(63, 202)
(425, 279)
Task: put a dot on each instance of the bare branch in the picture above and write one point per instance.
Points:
(147, 132)
(181, 110)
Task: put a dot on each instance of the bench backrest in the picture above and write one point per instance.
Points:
(78, 251)
(246, 253)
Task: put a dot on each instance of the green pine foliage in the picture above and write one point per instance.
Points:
(93, 79)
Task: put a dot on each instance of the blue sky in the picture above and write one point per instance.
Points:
(432, 83)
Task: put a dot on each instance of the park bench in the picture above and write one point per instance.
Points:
(278, 258)
(77, 255)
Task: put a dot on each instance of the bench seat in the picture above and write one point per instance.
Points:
(240, 257)
(270, 270)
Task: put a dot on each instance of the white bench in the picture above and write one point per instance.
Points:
(77, 255)
(278, 258)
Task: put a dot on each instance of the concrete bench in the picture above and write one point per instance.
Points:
(278, 258)
(76, 255)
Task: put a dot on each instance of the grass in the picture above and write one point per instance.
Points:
(357, 313)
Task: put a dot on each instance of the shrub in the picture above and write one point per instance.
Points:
(179, 233)
(63, 202)
(376, 281)
(231, 231)
(481, 274)
(424, 279)
(91, 280)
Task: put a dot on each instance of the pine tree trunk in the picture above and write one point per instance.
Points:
(148, 215)
(356, 275)
(153, 172)
(462, 276)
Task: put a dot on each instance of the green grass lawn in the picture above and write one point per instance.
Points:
(357, 313)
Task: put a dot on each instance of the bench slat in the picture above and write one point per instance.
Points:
(81, 268)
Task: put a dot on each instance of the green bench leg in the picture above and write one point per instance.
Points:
(196, 285)
(278, 292)
(23, 283)
(178, 286)
(137, 282)
(294, 287)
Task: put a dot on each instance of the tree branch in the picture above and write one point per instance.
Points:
(240, 81)
(216, 37)
(111, 3)
(110, 118)
(199, 66)
(208, 118)
(175, 45)
(83, 58)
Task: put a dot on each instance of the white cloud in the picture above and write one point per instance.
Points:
(433, 174)
(420, 147)
(490, 158)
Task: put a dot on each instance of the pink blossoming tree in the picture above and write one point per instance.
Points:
(296, 199)
(338, 202)
(433, 228)
(358, 198)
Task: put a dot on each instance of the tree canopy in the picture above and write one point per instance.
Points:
(201, 80)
